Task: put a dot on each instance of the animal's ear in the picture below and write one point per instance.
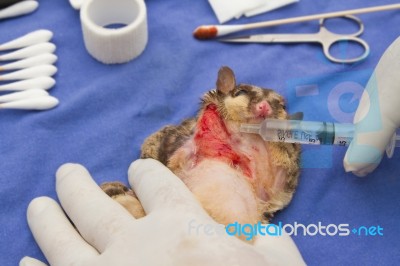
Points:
(226, 80)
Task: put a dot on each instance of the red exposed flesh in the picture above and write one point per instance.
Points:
(213, 141)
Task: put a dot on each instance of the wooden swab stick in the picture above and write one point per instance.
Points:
(212, 31)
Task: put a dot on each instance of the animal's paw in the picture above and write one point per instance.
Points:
(114, 189)
(124, 196)
(267, 217)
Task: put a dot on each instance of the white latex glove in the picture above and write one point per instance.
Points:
(109, 235)
(377, 116)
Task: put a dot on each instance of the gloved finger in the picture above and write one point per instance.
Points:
(159, 189)
(98, 218)
(59, 241)
(377, 117)
(279, 250)
(28, 261)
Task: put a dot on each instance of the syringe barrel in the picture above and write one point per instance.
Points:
(306, 132)
(343, 134)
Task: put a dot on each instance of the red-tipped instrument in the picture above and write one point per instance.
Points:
(213, 31)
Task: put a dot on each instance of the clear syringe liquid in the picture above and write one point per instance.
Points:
(303, 132)
(310, 132)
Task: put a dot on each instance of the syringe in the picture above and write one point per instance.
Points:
(309, 132)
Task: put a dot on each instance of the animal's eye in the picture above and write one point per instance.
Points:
(240, 92)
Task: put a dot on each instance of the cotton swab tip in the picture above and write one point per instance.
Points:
(31, 72)
(41, 59)
(44, 83)
(36, 49)
(212, 31)
(37, 103)
(34, 37)
(15, 96)
(76, 4)
(19, 9)
(205, 32)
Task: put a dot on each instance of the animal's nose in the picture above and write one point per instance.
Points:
(263, 108)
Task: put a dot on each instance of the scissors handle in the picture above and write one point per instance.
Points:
(327, 49)
(328, 38)
(325, 37)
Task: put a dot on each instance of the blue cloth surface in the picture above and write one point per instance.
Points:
(106, 111)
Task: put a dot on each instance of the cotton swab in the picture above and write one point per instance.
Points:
(35, 99)
(37, 103)
(35, 37)
(41, 48)
(212, 31)
(7, 3)
(42, 59)
(76, 4)
(43, 83)
(18, 9)
(31, 72)
(15, 96)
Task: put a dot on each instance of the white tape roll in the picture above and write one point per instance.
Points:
(114, 45)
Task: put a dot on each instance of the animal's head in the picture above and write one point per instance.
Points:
(244, 102)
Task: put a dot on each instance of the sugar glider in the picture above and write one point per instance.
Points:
(237, 177)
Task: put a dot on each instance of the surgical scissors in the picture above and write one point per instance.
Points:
(325, 37)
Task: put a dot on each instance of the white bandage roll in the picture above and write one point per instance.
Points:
(114, 45)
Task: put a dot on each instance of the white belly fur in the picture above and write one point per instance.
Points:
(223, 191)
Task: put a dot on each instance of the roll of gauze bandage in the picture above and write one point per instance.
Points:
(114, 45)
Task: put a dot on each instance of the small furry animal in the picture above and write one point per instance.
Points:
(237, 177)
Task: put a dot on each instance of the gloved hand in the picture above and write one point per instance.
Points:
(377, 116)
(109, 235)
